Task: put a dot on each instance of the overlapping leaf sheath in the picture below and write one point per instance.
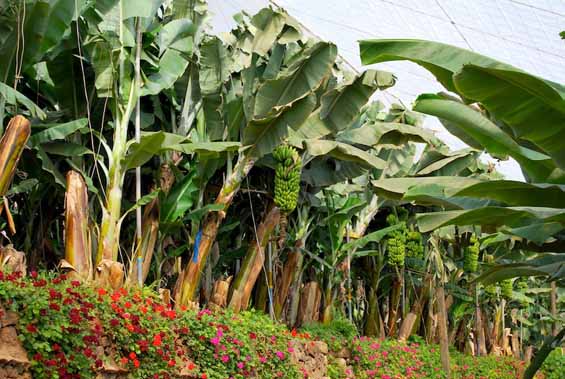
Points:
(78, 252)
(11, 147)
(149, 234)
(253, 262)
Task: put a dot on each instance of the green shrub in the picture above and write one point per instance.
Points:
(554, 365)
(334, 333)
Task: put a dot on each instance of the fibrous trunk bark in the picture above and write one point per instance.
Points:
(188, 280)
(253, 262)
(442, 326)
(553, 304)
(77, 237)
(149, 235)
(291, 269)
(309, 308)
(394, 303)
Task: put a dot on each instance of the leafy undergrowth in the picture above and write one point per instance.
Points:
(70, 330)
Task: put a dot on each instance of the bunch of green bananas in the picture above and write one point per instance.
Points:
(414, 246)
(472, 255)
(490, 290)
(522, 284)
(391, 219)
(396, 249)
(287, 177)
(506, 288)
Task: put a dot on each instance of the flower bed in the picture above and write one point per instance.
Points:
(75, 331)
(71, 330)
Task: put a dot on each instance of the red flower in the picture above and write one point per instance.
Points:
(252, 335)
(190, 366)
(132, 355)
(130, 327)
(75, 283)
(127, 304)
(102, 292)
(136, 363)
(293, 332)
(31, 328)
(124, 361)
(33, 274)
(172, 363)
(204, 376)
(157, 340)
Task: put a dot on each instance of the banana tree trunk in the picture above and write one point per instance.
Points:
(188, 280)
(442, 326)
(481, 348)
(262, 293)
(78, 251)
(253, 262)
(291, 269)
(11, 147)
(394, 303)
(149, 235)
(553, 304)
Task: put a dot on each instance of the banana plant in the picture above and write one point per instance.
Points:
(279, 87)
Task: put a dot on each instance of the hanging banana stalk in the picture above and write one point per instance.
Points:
(78, 252)
(11, 147)
(287, 184)
(253, 262)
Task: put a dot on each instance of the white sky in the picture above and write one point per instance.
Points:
(523, 33)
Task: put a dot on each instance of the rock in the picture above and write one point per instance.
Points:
(317, 347)
(7, 318)
(341, 362)
(343, 353)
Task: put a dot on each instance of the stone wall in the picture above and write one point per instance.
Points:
(14, 363)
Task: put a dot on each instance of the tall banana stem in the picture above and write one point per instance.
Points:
(146, 247)
(11, 147)
(77, 238)
(188, 280)
(442, 326)
(253, 262)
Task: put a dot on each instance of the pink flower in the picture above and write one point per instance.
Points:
(290, 350)
(240, 365)
(215, 341)
(262, 359)
(219, 333)
(385, 376)
(280, 354)
(225, 358)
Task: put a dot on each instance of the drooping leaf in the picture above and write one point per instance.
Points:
(440, 59)
(495, 141)
(297, 81)
(269, 24)
(171, 67)
(489, 216)
(180, 199)
(150, 144)
(11, 96)
(177, 35)
(265, 134)
(343, 151)
(56, 132)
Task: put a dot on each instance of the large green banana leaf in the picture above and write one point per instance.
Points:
(532, 107)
